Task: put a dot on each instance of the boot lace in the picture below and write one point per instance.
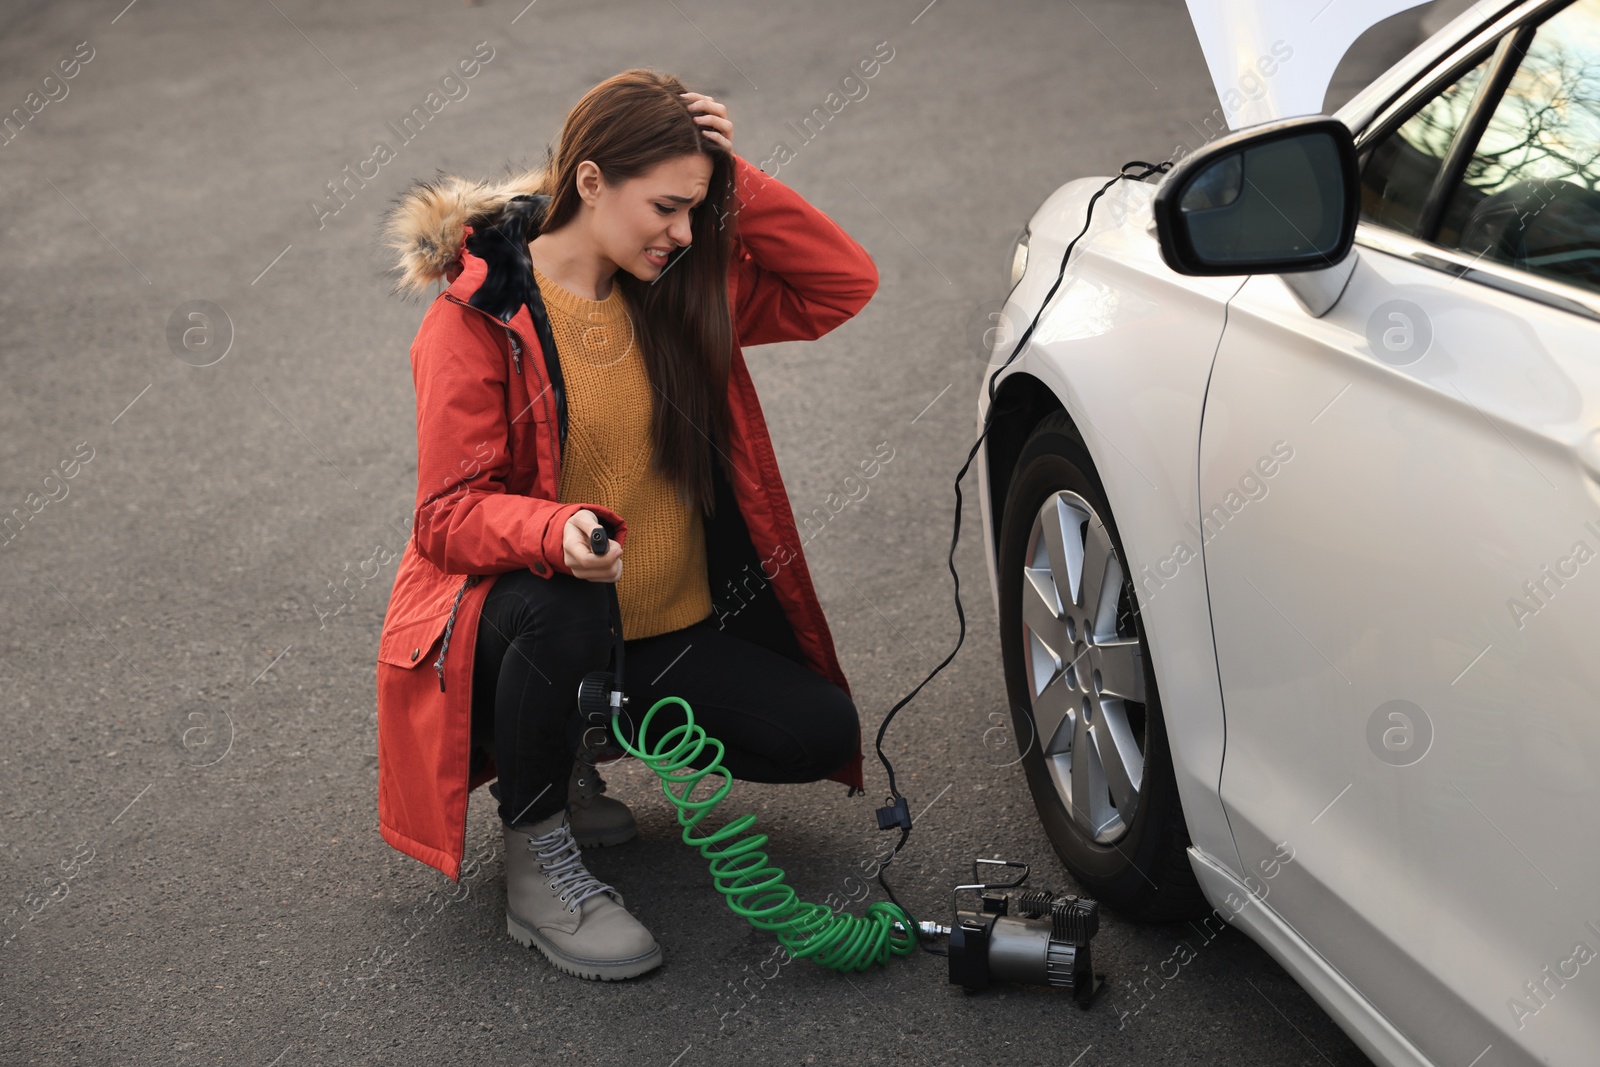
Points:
(567, 873)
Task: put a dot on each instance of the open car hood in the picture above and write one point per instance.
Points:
(1273, 59)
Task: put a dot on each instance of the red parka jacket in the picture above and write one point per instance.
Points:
(491, 423)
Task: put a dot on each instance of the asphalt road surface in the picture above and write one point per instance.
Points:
(192, 871)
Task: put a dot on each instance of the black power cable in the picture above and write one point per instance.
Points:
(895, 813)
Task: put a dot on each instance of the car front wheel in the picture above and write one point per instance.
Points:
(1082, 689)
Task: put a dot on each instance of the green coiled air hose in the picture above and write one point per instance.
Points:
(753, 887)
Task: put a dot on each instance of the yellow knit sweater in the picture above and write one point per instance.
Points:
(607, 461)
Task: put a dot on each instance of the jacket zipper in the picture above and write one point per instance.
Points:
(472, 579)
(450, 624)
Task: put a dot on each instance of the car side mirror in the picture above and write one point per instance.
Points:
(1279, 197)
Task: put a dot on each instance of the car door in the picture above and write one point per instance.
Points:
(1402, 549)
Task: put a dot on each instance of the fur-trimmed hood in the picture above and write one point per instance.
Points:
(427, 222)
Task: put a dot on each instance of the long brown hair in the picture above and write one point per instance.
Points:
(627, 125)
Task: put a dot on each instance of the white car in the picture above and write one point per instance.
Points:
(1291, 507)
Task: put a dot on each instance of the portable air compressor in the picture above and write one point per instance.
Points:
(1035, 937)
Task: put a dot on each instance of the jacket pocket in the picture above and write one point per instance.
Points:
(413, 644)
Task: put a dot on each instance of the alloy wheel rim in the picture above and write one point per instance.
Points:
(1085, 677)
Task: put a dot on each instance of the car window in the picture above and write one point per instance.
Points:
(1530, 196)
(1400, 169)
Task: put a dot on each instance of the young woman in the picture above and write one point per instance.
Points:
(583, 368)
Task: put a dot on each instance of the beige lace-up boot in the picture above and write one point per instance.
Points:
(555, 905)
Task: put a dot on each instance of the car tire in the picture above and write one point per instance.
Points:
(1081, 780)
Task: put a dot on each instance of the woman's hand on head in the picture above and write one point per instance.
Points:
(712, 117)
(575, 551)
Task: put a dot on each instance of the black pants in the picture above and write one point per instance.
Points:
(777, 720)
